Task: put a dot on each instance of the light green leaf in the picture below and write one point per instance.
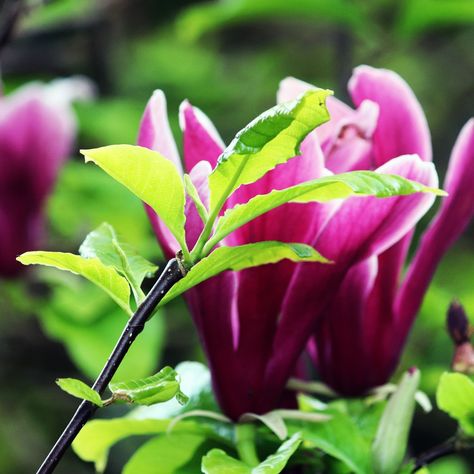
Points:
(93, 269)
(169, 454)
(365, 183)
(217, 461)
(150, 176)
(272, 420)
(239, 258)
(79, 389)
(390, 444)
(103, 243)
(275, 463)
(272, 138)
(158, 388)
(98, 436)
(455, 396)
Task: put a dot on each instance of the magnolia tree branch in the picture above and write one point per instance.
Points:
(172, 273)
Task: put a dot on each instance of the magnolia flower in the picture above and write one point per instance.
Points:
(254, 324)
(362, 321)
(37, 129)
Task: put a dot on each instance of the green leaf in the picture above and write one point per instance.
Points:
(158, 388)
(217, 461)
(239, 258)
(103, 243)
(455, 396)
(93, 269)
(174, 453)
(150, 176)
(365, 183)
(79, 389)
(98, 436)
(390, 444)
(272, 138)
(339, 437)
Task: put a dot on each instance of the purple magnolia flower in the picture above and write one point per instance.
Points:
(255, 324)
(363, 321)
(37, 129)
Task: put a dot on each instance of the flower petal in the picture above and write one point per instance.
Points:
(155, 132)
(455, 213)
(362, 227)
(402, 127)
(200, 138)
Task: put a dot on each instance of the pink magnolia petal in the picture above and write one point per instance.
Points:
(455, 213)
(362, 227)
(343, 361)
(201, 140)
(350, 148)
(199, 176)
(290, 88)
(155, 132)
(402, 127)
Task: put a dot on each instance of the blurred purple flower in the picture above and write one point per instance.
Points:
(363, 322)
(37, 129)
(255, 324)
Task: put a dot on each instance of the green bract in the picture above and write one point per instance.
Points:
(391, 439)
(271, 139)
(158, 388)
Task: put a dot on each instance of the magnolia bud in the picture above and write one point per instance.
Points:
(458, 324)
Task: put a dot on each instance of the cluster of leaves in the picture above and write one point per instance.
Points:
(336, 436)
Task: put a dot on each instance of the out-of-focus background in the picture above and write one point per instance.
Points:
(227, 57)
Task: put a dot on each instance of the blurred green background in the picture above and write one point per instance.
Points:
(227, 58)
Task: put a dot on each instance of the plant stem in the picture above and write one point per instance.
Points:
(245, 441)
(170, 275)
(451, 446)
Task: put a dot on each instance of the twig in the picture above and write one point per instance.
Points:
(451, 446)
(172, 273)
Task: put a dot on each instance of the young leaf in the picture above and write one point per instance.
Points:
(391, 440)
(455, 396)
(93, 269)
(272, 138)
(365, 183)
(98, 436)
(176, 452)
(104, 244)
(79, 389)
(217, 461)
(239, 258)
(150, 176)
(158, 388)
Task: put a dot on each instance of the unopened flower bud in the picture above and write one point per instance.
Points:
(458, 324)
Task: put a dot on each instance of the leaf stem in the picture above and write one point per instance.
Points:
(245, 442)
(170, 275)
(196, 252)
